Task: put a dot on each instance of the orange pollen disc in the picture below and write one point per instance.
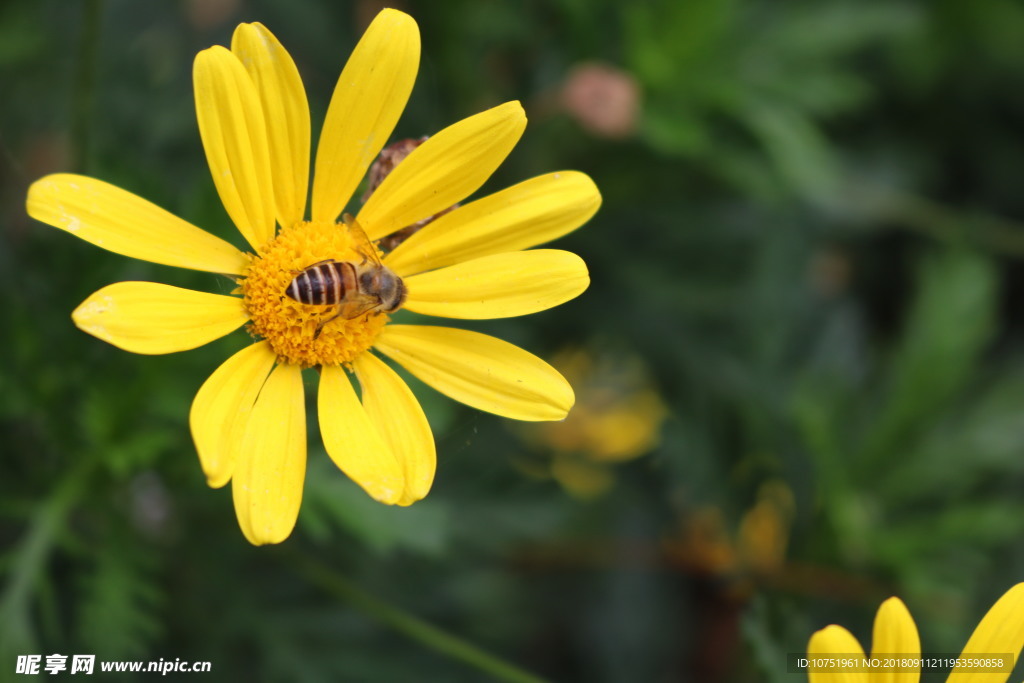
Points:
(291, 327)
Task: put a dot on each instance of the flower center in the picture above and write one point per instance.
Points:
(296, 331)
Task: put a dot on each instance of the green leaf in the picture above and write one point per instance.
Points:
(950, 323)
(670, 41)
(800, 152)
(120, 598)
(955, 529)
(979, 440)
(830, 30)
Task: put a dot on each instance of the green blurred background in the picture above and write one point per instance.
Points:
(799, 367)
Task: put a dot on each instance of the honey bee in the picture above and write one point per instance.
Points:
(355, 288)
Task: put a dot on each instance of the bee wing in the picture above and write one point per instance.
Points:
(363, 245)
(357, 304)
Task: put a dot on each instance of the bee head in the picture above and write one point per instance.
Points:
(399, 295)
(392, 290)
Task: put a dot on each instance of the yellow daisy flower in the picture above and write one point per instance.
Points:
(1001, 632)
(248, 419)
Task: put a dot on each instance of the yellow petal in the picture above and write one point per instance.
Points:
(833, 641)
(271, 466)
(500, 285)
(353, 442)
(235, 139)
(222, 407)
(127, 224)
(399, 419)
(147, 317)
(533, 212)
(480, 371)
(444, 170)
(895, 634)
(1001, 632)
(286, 113)
(368, 99)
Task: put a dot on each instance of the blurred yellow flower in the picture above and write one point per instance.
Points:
(248, 419)
(618, 417)
(1000, 632)
(705, 544)
(763, 534)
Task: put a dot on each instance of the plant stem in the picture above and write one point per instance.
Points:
(85, 82)
(942, 223)
(431, 636)
(31, 555)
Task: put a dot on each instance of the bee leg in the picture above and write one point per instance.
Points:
(320, 327)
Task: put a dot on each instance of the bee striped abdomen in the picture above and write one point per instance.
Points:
(323, 284)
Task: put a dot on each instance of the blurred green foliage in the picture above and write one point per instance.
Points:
(810, 238)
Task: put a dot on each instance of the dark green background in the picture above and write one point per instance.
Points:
(813, 241)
